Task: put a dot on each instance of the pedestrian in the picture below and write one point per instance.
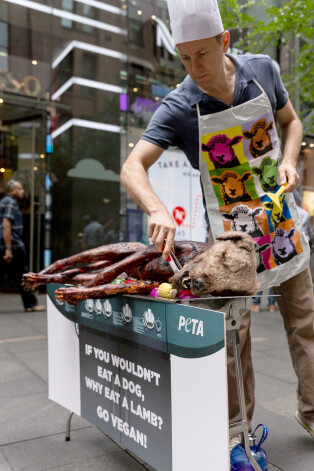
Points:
(271, 301)
(222, 116)
(93, 233)
(13, 257)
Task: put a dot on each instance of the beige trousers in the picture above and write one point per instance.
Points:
(296, 306)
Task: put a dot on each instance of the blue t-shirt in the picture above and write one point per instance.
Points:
(9, 209)
(175, 123)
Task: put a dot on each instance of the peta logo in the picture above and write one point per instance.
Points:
(193, 326)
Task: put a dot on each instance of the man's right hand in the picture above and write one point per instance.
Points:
(8, 256)
(160, 227)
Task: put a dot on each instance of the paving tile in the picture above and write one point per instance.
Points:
(278, 351)
(22, 387)
(118, 461)
(13, 325)
(31, 343)
(36, 320)
(273, 367)
(288, 446)
(273, 468)
(10, 303)
(4, 465)
(285, 406)
(12, 369)
(268, 388)
(53, 452)
(28, 417)
(36, 361)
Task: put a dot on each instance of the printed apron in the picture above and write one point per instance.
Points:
(239, 156)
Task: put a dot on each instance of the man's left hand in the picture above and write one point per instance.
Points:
(288, 174)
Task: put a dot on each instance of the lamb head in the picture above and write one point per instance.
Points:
(227, 268)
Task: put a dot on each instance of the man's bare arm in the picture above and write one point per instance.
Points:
(291, 137)
(6, 234)
(134, 177)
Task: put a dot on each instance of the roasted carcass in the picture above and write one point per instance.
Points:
(93, 271)
(228, 267)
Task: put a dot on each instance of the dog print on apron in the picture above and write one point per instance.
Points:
(239, 157)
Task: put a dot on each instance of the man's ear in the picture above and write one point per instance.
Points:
(226, 40)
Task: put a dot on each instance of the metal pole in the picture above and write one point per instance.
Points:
(235, 340)
(41, 193)
(32, 208)
(68, 427)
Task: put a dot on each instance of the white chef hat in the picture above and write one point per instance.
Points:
(194, 19)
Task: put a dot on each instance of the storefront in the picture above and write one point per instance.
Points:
(90, 74)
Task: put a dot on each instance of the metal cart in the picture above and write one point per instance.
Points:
(150, 393)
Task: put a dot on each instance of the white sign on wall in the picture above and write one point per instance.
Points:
(178, 186)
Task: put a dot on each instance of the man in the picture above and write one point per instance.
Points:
(12, 250)
(93, 233)
(224, 101)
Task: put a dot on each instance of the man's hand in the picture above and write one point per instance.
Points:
(161, 227)
(8, 256)
(288, 174)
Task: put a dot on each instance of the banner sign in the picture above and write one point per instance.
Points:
(178, 186)
(150, 374)
(126, 392)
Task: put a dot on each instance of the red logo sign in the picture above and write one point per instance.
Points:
(178, 215)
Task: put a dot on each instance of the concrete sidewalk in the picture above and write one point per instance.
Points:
(32, 427)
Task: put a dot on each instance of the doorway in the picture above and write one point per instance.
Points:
(23, 158)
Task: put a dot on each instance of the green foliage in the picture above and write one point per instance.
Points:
(286, 24)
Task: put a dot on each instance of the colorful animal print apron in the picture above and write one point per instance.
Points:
(239, 156)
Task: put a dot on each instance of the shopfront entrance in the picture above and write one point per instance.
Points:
(23, 158)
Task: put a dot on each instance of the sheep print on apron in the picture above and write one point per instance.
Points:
(239, 157)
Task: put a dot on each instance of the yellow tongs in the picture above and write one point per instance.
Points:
(275, 197)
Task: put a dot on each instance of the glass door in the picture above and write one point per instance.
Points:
(23, 158)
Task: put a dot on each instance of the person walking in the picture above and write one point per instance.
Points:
(13, 257)
(93, 233)
(271, 301)
(222, 116)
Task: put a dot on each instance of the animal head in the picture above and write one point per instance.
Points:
(220, 150)
(232, 186)
(260, 137)
(243, 219)
(283, 248)
(267, 172)
(228, 267)
(259, 249)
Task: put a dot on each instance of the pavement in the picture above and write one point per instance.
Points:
(32, 428)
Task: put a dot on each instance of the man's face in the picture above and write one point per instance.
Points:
(203, 58)
(18, 191)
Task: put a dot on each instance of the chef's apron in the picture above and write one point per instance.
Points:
(239, 157)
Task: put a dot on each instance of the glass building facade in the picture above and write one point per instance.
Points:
(79, 81)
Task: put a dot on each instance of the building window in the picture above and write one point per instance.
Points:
(67, 5)
(89, 12)
(66, 69)
(4, 41)
(89, 71)
(135, 27)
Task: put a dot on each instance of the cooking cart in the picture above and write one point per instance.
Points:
(151, 374)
